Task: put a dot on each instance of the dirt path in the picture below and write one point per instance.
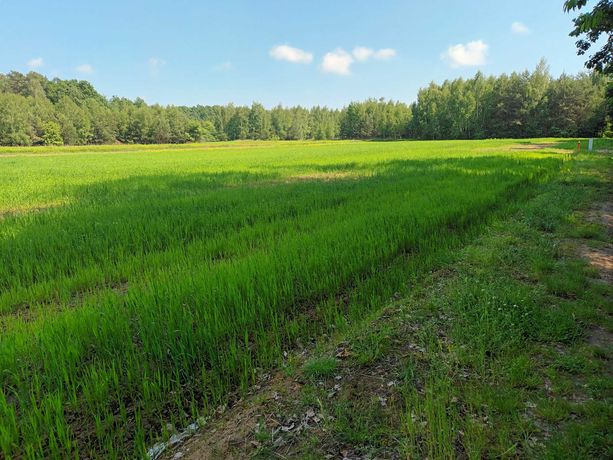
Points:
(601, 258)
(232, 434)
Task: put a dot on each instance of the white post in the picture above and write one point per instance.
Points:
(590, 144)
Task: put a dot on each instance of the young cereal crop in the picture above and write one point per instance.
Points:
(141, 287)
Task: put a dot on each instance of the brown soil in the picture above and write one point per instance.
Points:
(600, 337)
(533, 146)
(603, 214)
(232, 434)
(550, 147)
(601, 257)
(17, 212)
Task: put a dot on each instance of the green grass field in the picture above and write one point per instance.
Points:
(147, 286)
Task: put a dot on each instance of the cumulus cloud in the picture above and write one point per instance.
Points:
(385, 53)
(35, 63)
(465, 55)
(155, 64)
(362, 53)
(519, 28)
(291, 54)
(84, 68)
(338, 62)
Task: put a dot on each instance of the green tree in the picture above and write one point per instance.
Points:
(238, 125)
(15, 126)
(103, 122)
(299, 124)
(351, 121)
(201, 131)
(52, 134)
(74, 121)
(280, 121)
(592, 25)
(259, 122)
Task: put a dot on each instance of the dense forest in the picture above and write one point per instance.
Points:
(37, 111)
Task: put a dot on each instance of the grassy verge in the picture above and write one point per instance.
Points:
(503, 353)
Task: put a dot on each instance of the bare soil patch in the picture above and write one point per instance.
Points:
(232, 435)
(18, 212)
(533, 146)
(601, 257)
(603, 214)
(550, 147)
(600, 337)
(324, 176)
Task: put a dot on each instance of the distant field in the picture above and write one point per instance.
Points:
(145, 285)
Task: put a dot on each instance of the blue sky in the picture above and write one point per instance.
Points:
(290, 52)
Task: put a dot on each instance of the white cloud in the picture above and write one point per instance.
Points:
(85, 68)
(520, 28)
(155, 64)
(385, 53)
(338, 61)
(35, 63)
(291, 54)
(361, 53)
(469, 54)
(226, 65)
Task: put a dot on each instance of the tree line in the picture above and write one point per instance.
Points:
(35, 110)
(527, 104)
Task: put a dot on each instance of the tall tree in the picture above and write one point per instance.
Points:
(238, 125)
(591, 26)
(52, 134)
(259, 122)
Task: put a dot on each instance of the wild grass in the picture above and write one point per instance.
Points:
(143, 286)
(320, 367)
(509, 377)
